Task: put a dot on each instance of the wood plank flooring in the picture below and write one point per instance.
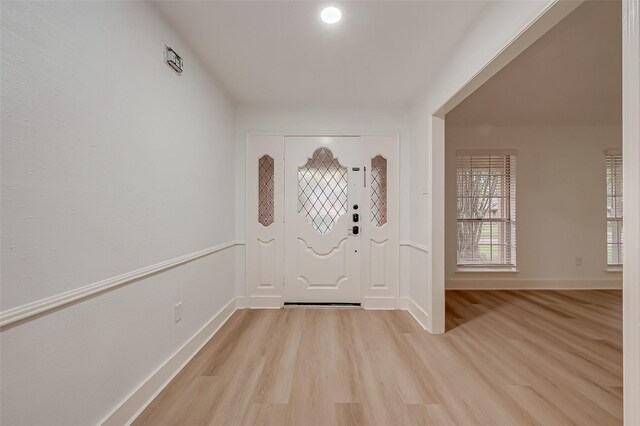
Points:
(508, 358)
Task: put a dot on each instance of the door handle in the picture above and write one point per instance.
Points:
(356, 218)
(355, 230)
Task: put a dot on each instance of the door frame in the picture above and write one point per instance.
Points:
(434, 121)
(272, 297)
(631, 194)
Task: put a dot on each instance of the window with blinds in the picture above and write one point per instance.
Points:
(614, 209)
(486, 196)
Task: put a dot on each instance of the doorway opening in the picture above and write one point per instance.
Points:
(564, 133)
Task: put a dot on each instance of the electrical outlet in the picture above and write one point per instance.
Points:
(177, 312)
(578, 261)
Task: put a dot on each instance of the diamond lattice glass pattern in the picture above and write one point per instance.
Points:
(265, 190)
(322, 190)
(379, 190)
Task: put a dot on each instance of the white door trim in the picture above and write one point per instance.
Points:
(631, 159)
(255, 297)
(381, 245)
(553, 13)
(264, 250)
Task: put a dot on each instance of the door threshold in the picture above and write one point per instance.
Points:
(322, 305)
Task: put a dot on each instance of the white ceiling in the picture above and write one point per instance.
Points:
(571, 76)
(281, 53)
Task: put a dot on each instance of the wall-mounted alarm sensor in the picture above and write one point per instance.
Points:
(174, 61)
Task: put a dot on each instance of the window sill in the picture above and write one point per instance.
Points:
(485, 270)
(614, 269)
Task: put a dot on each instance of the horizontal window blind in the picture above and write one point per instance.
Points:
(486, 198)
(614, 210)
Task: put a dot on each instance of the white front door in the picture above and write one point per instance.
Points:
(323, 181)
(302, 194)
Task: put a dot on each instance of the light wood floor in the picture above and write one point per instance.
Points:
(508, 358)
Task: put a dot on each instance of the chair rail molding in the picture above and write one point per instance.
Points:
(38, 307)
(415, 245)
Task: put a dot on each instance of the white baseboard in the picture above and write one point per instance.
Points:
(262, 302)
(416, 312)
(502, 284)
(135, 403)
(380, 303)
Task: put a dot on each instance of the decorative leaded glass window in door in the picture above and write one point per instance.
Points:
(265, 190)
(322, 190)
(379, 190)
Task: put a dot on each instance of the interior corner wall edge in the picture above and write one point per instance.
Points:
(498, 24)
(103, 145)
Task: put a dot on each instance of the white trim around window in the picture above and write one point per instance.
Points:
(486, 211)
(614, 184)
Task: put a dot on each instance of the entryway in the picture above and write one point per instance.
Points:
(322, 220)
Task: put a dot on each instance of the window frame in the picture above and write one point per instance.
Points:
(613, 168)
(506, 222)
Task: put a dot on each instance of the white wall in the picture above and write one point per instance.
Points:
(560, 205)
(314, 120)
(495, 28)
(110, 163)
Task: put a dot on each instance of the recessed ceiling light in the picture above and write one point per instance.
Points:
(330, 15)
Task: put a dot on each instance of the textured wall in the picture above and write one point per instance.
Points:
(110, 163)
